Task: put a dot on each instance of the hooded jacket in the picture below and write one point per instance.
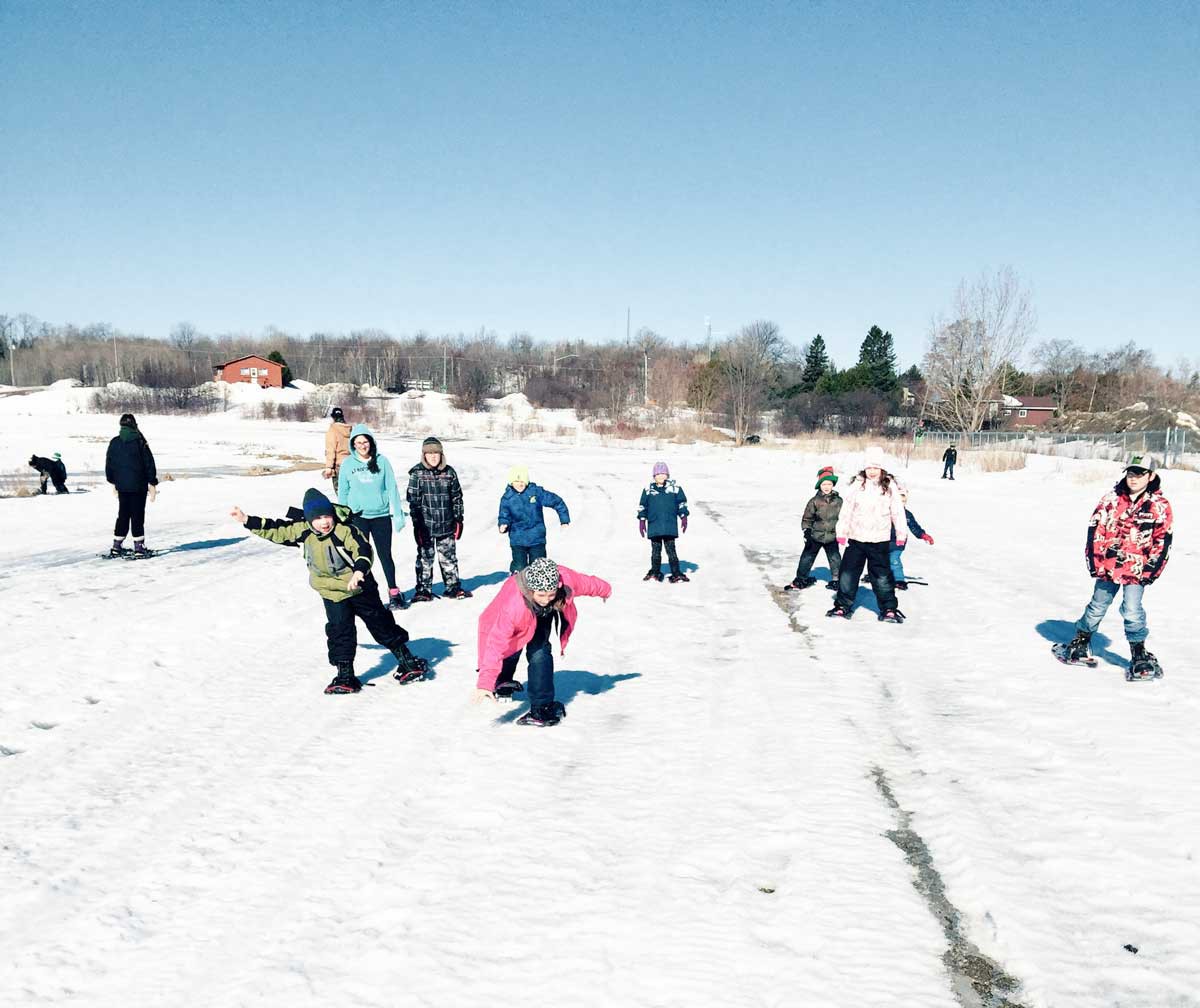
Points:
(661, 507)
(869, 515)
(435, 498)
(370, 494)
(129, 463)
(508, 623)
(522, 513)
(1127, 541)
(331, 558)
(337, 444)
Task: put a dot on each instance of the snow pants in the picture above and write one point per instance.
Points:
(812, 549)
(1131, 610)
(340, 632)
(523, 556)
(875, 557)
(60, 486)
(540, 655)
(131, 510)
(656, 547)
(379, 531)
(447, 558)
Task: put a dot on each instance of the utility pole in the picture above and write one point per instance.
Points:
(645, 376)
(116, 371)
(12, 360)
(626, 325)
(444, 386)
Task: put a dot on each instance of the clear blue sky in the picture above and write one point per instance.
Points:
(330, 166)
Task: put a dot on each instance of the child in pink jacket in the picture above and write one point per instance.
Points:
(871, 508)
(530, 605)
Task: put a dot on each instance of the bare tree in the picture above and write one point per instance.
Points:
(1059, 360)
(749, 362)
(991, 321)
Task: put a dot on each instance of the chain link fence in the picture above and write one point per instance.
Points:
(1174, 448)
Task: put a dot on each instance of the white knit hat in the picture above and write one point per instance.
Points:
(874, 457)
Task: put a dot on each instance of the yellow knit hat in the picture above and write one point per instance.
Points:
(518, 474)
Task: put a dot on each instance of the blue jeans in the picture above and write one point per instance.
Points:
(523, 556)
(1131, 610)
(540, 684)
(895, 561)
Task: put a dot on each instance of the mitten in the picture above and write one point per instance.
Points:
(683, 523)
(841, 540)
(458, 530)
(928, 538)
(642, 527)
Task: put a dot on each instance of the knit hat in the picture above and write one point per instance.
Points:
(337, 415)
(874, 458)
(57, 456)
(518, 474)
(128, 420)
(1145, 463)
(823, 474)
(542, 575)
(315, 505)
(430, 443)
(661, 467)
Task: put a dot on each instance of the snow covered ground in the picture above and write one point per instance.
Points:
(748, 804)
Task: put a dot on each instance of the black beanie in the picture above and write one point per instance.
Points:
(315, 505)
(128, 420)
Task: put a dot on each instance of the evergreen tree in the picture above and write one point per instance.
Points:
(877, 357)
(816, 364)
(277, 357)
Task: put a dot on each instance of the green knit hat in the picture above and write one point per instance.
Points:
(825, 473)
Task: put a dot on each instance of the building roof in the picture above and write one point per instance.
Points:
(238, 360)
(1035, 402)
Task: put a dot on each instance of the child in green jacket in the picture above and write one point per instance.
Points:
(339, 570)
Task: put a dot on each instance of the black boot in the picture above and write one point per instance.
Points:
(1142, 664)
(1079, 650)
(345, 681)
(543, 715)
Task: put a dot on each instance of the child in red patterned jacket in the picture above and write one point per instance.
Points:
(1128, 540)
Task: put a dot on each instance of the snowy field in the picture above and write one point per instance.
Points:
(747, 804)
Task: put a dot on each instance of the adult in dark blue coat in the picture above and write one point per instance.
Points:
(129, 467)
(662, 513)
(521, 517)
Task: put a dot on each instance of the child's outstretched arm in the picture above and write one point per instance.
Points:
(276, 530)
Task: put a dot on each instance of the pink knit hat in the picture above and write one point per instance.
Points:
(661, 467)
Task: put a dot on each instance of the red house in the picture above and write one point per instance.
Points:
(1024, 411)
(254, 369)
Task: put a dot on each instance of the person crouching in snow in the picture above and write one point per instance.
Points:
(896, 552)
(339, 570)
(663, 513)
(1128, 541)
(521, 517)
(872, 509)
(531, 605)
(819, 523)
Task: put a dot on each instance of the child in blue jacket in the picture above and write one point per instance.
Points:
(367, 486)
(663, 513)
(896, 552)
(521, 517)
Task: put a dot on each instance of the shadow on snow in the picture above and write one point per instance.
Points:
(434, 650)
(1061, 631)
(569, 683)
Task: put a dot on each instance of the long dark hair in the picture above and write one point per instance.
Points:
(885, 478)
(373, 456)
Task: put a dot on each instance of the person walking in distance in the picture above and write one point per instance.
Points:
(129, 466)
(949, 460)
(337, 445)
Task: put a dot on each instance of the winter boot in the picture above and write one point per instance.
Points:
(653, 575)
(396, 599)
(423, 595)
(901, 586)
(345, 681)
(676, 578)
(139, 549)
(458, 591)
(800, 584)
(504, 690)
(838, 610)
(543, 715)
(1142, 664)
(409, 668)
(1079, 650)
(118, 548)
(832, 585)
(891, 616)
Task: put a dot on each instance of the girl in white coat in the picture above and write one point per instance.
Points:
(871, 509)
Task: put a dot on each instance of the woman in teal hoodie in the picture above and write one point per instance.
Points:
(367, 486)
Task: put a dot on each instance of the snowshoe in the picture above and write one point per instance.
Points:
(901, 586)
(397, 601)
(676, 578)
(800, 584)
(345, 681)
(457, 592)
(409, 668)
(891, 616)
(1142, 665)
(653, 576)
(505, 690)
(1076, 652)
(116, 551)
(543, 715)
(423, 595)
(838, 610)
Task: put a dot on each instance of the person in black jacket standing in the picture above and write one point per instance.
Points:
(129, 467)
(949, 459)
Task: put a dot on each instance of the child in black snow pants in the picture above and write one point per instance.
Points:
(339, 570)
(663, 514)
(820, 532)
